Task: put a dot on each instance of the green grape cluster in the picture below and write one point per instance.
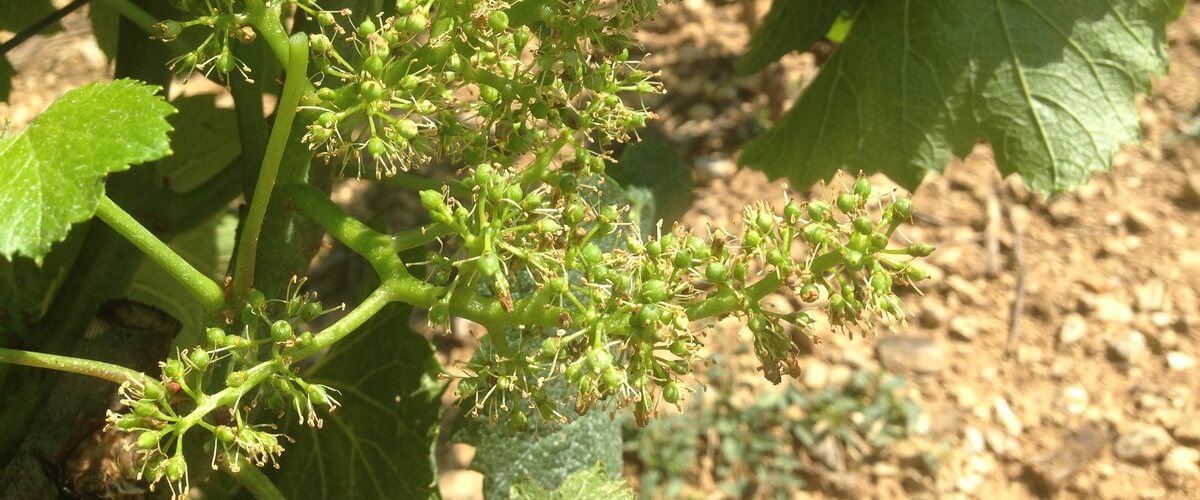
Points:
(220, 386)
(467, 82)
(623, 316)
(227, 22)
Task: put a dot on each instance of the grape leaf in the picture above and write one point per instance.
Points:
(17, 15)
(584, 484)
(6, 74)
(106, 27)
(213, 142)
(380, 444)
(53, 170)
(1050, 85)
(655, 165)
(791, 25)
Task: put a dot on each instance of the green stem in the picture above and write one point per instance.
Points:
(727, 300)
(373, 245)
(99, 369)
(413, 238)
(266, 21)
(297, 76)
(369, 307)
(207, 291)
(253, 479)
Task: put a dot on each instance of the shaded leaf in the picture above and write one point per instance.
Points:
(380, 443)
(106, 25)
(791, 25)
(1050, 85)
(584, 484)
(54, 169)
(213, 142)
(16, 15)
(6, 74)
(655, 165)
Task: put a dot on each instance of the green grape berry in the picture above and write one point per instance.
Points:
(153, 390)
(175, 468)
(148, 440)
(489, 265)
(611, 379)
(373, 66)
(862, 188)
(325, 18)
(370, 90)
(498, 20)
(765, 222)
(173, 369)
(679, 348)
(818, 210)
(376, 147)
(199, 358)
(214, 336)
(903, 209)
(145, 408)
(655, 291)
(920, 249)
(366, 28)
(716, 272)
(847, 203)
(281, 331)
(256, 298)
(672, 393)
(592, 254)
(310, 311)
(864, 225)
(224, 434)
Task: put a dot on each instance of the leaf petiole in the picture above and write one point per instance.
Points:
(99, 369)
(207, 291)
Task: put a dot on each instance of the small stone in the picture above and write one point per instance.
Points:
(964, 328)
(1150, 296)
(934, 315)
(1063, 211)
(1078, 449)
(1073, 329)
(462, 484)
(1129, 347)
(1188, 430)
(816, 375)
(1109, 309)
(1075, 399)
(710, 168)
(1004, 414)
(974, 441)
(904, 354)
(1139, 221)
(965, 396)
(1002, 444)
(1180, 361)
(1191, 191)
(1180, 466)
(966, 291)
(969, 483)
(1143, 444)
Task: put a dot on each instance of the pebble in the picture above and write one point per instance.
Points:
(1073, 329)
(1078, 449)
(906, 354)
(1075, 399)
(934, 315)
(1180, 361)
(1142, 444)
(1188, 430)
(710, 168)
(1138, 220)
(964, 328)
(1109, 309)
(1004, 414)
(1150, 296)
(1129, 347)
(1191, 190)
(973, 439)
(816, 375)
(1180, 465)
(461, 484)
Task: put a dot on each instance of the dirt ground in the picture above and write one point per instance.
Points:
(1095, 395)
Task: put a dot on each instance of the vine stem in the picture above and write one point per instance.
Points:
(253, 479)
(203, 288)
(293, 87)
(99, 369)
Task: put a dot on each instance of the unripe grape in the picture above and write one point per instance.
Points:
(679, 348)
(405, 7)
(373, 66)
(409, 82)
(128, 422)
(818, 210)
(792, 211)
(903, 209)
(518, 422)
(144, 408)
(370, 90)
(489, 265)
(920, 249)
(281, 331)
(168, 30)
(225, 63)
(173, 369)
(498, 20)
(862, 188)
(716, 272)
(864, 225)
(325, 18)
(153, 390)
(147, 440)
(224, 434)
(199, 358)
(215, 337)
(592, 254)
(752, 238)
(176, 467)
(376, 147)
(654, 291)
(847, 202)
(672, 393)
(611, 379)
(310, 311)
(765, 222)
(415, 23)
(366, 28)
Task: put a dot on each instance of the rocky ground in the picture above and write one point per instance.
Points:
(1090, 390)
(1093, 392)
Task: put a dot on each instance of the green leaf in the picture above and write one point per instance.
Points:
(380, 443)
(53, 171)
(6, 74)
(791, 25)
(584, 484)
(213, 142)
(106, 26)
(655, 165)
(1050, 85)
(16, 15)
